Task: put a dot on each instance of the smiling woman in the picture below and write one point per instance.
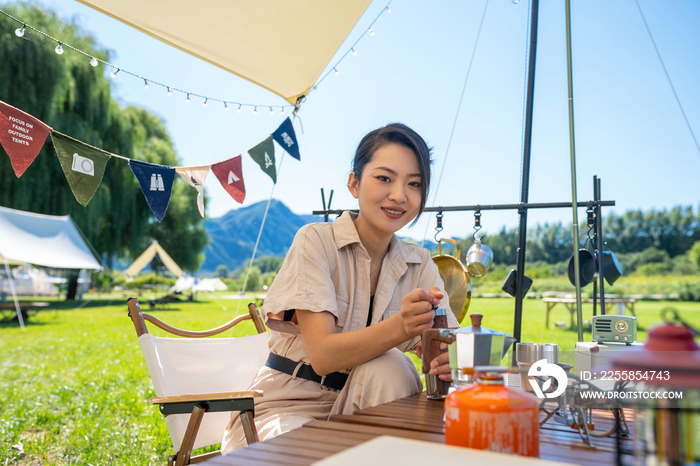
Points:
(351, 298)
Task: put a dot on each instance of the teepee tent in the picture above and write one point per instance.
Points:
(147, 256)
(280, 45)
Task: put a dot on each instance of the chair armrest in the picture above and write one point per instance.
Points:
(201, 397)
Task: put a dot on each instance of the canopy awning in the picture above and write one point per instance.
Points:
(280, 45)
(46, 240)
(147, 256)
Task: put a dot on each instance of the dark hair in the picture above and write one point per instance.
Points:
(396, 133)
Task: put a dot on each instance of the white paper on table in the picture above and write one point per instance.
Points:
(386, 450)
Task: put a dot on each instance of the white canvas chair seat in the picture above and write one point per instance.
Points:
(199, 381)
(181, 366)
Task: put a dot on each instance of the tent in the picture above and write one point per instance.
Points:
(46, 240)
(29, 280)
(206, 284)
(273, 43)
(147, 256)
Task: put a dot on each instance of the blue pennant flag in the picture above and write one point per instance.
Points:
(156, 183)
(285, 137)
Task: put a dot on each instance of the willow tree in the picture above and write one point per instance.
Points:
(72, 97)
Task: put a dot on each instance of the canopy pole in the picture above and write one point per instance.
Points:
(574, 197)
(14, 294)
(525, 184)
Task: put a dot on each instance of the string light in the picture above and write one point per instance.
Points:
(113, 74)
(272, 112)
(354, 52)
(225, 106)
(170, 91)
(255, 110)
(371, 31)
(93, 62)
(204, 104)
(336, 71)
(187, 99)
(388, 10)
(19, 32)
(145, 84)
(238, 110)
(282, 111)
(59, 49)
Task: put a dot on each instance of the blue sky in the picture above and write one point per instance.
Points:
(629, 128)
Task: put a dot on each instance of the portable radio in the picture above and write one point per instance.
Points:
(615, 328)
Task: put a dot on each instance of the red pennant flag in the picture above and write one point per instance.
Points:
(230, 175)
(22, 136)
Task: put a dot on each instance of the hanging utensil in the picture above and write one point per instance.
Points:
(456, 279)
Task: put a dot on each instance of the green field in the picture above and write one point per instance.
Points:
(75, 387)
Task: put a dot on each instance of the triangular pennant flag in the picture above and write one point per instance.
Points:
(22, 136)
(230, 175)
(287, 138)
(156, 183)
(264, 155)
(83, 165)
(195, 176)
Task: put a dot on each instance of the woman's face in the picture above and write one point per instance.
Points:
(389, 192)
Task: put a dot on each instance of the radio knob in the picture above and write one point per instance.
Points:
(617, 337)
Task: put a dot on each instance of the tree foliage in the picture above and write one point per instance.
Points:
(72, 97)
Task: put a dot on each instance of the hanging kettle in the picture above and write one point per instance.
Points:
(479, 258)
(458, 286)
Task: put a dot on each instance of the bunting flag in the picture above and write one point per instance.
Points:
(287, 138)
(230, 175)
(83, 165)
(22, 136)
(264, 155)
(195, 176)
(156, 183)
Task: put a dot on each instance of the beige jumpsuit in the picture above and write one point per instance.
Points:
(327, 269)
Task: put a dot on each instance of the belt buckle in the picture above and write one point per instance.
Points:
(323, 382)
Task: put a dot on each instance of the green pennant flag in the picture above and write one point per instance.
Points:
(264, 155)
(83, 165)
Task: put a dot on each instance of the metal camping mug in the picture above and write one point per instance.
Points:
(479, 258)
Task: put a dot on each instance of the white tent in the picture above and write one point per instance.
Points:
(29, 280)
(46, 240)
(206, 284)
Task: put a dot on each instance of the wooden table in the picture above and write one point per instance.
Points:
(622, 304)
(9, 311)
(413, 417)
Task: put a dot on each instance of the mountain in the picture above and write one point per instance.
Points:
(233, 236)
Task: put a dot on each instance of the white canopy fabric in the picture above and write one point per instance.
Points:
(147, 256)
(46, 240)
(280, 45)
(206, 284)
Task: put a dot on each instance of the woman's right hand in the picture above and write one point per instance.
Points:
(417, 310)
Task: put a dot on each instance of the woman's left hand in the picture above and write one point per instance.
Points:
(440, 366)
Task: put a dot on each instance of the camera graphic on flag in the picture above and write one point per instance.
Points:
(83, 165)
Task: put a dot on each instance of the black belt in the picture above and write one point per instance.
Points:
(334, 380)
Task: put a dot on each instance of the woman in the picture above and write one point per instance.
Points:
(351, 298)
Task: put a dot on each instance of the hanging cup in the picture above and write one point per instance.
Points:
(479, 258)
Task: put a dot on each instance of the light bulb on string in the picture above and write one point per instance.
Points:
(371, 31)
(272, 112)
(225, 106)
(93, 61)
(204, 104)
(187, 99)
(255, 110)
(354, 52)
(238, 110)
(145, 84)
(59, 49)
(336, 71)
(19, 32)
(170, 91)
(388, 10)
(281, 110)
(515, 2)
(113, 74)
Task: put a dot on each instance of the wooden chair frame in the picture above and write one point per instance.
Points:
(198, 405)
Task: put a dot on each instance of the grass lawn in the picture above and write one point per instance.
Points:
(75, 387)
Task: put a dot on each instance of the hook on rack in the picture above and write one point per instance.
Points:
(438, 228)
(326, 210)
(477, 223)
